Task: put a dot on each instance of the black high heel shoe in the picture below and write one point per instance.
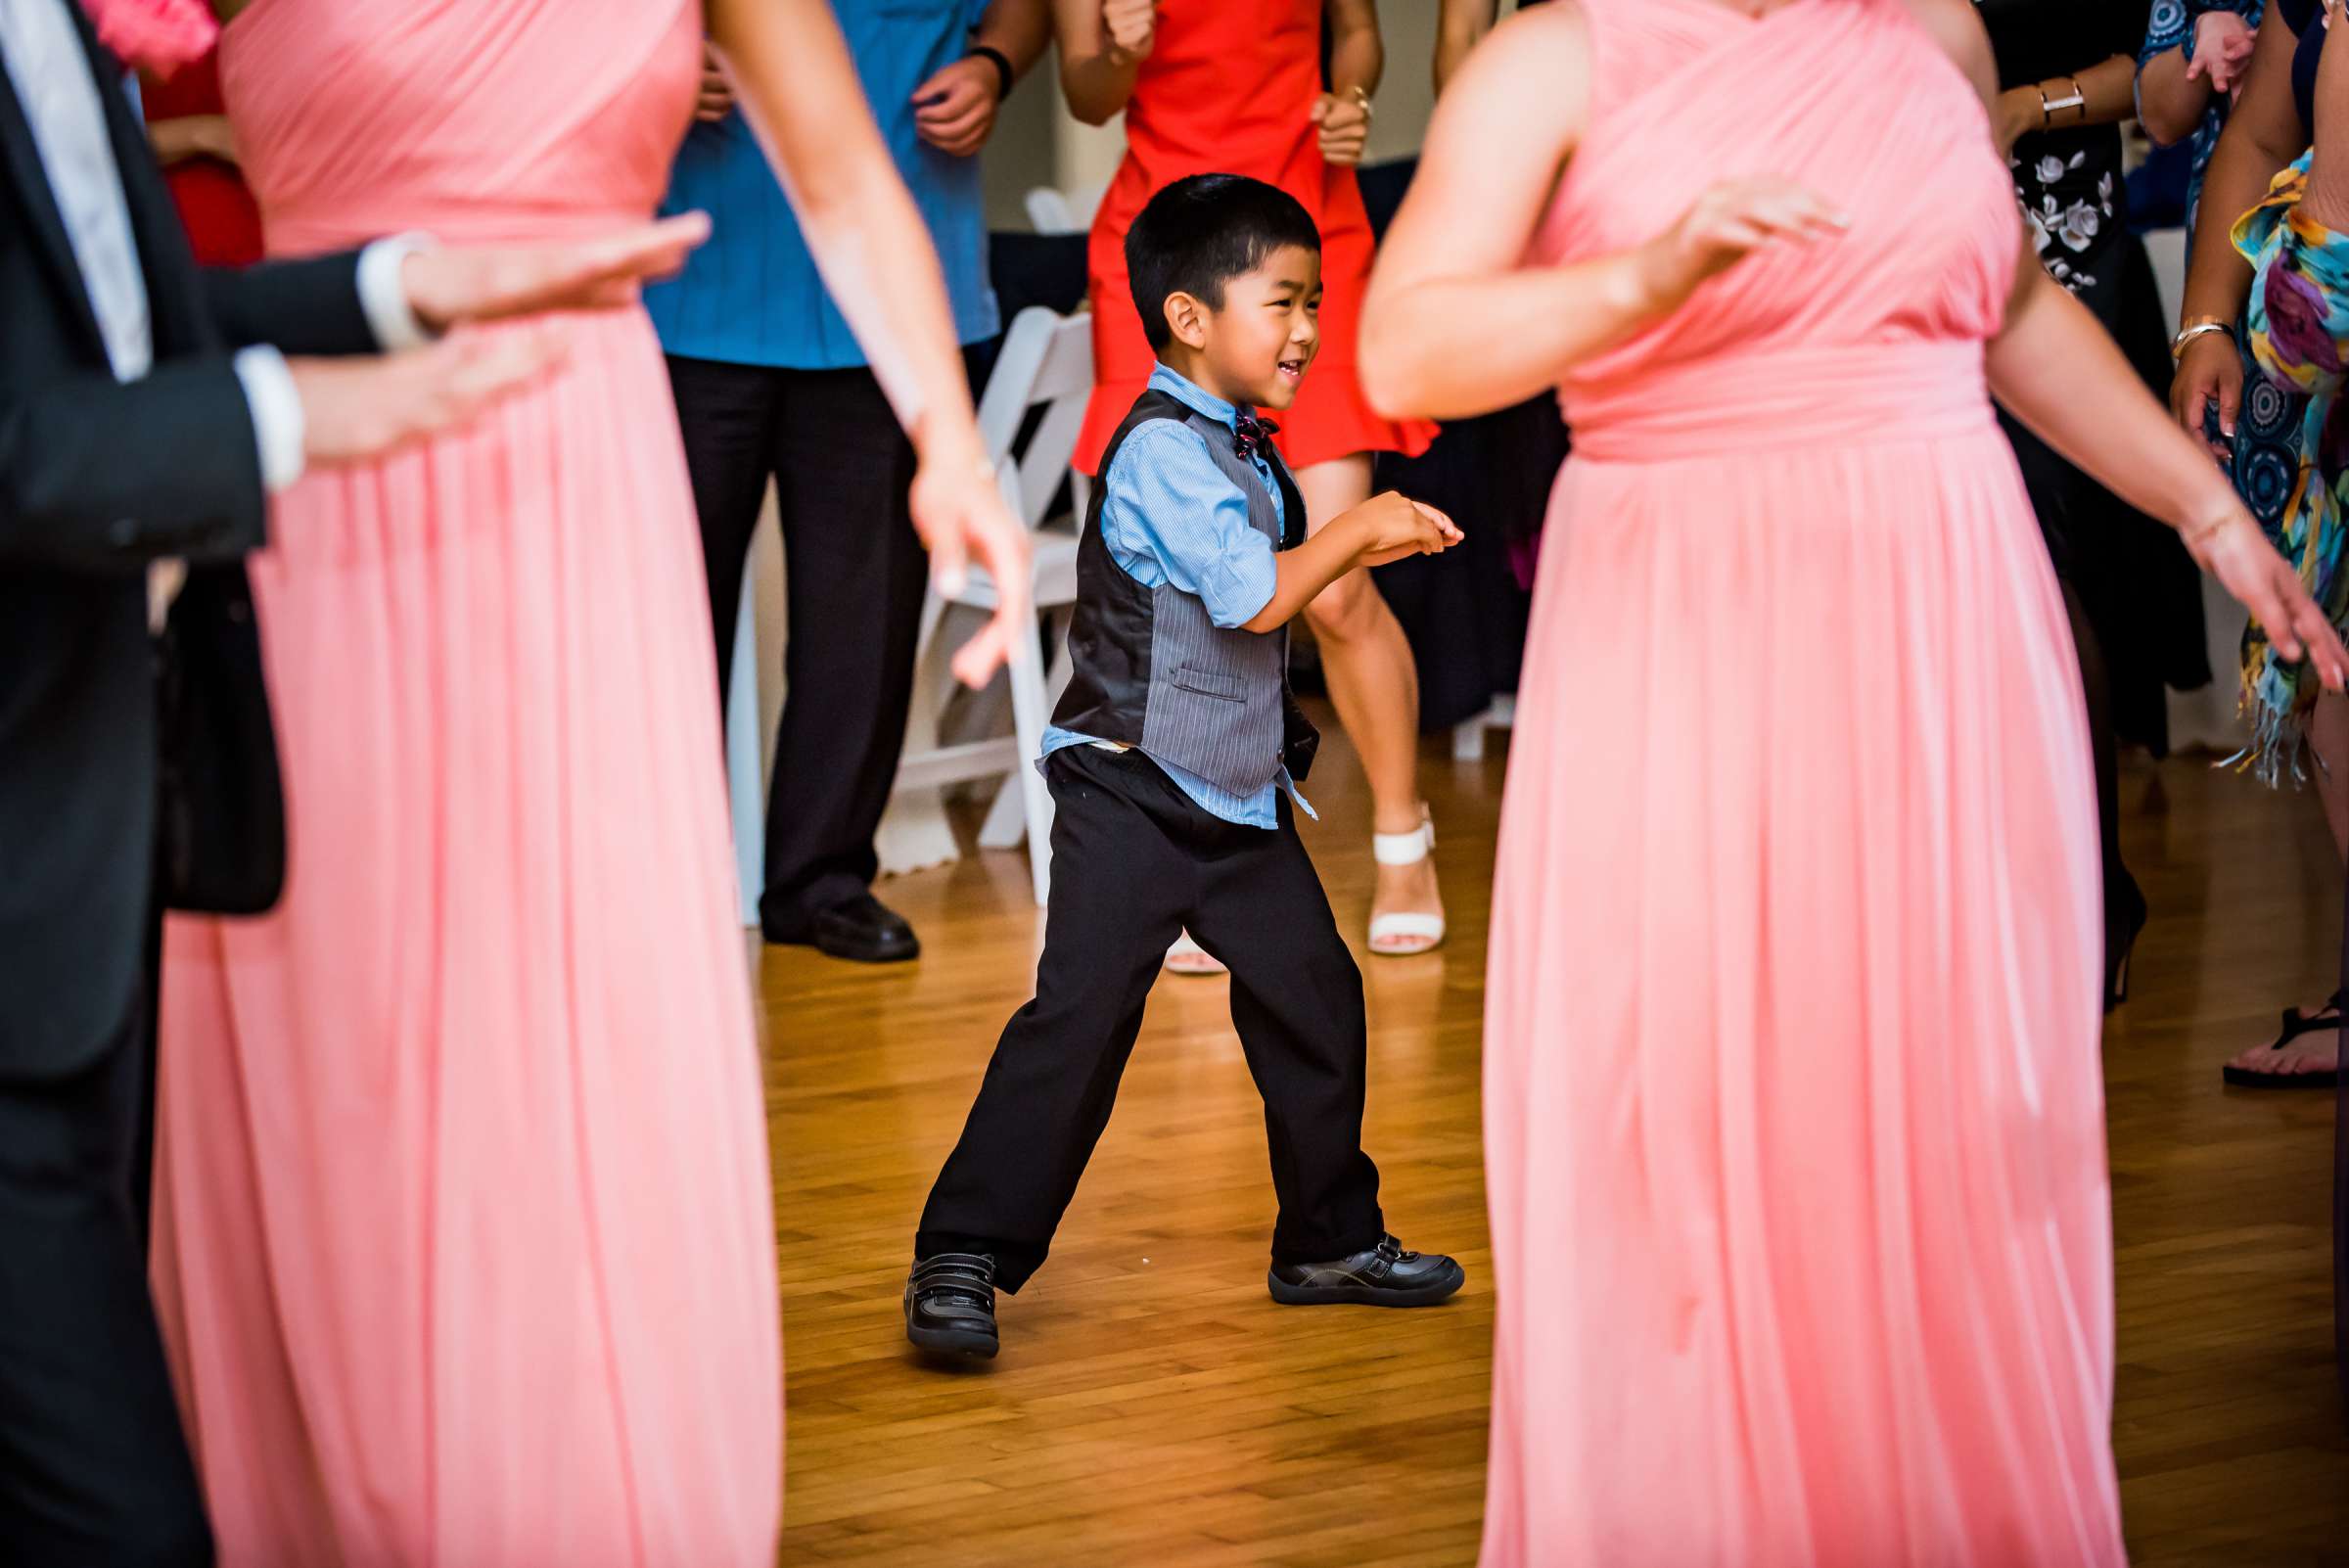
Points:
(2120, 943)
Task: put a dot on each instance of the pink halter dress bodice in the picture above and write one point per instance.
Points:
(471, 120)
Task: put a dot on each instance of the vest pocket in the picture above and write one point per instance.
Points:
(1211, 683)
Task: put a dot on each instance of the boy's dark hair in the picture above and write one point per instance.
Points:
(1199, 233)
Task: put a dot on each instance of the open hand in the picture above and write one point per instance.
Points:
(1132, 27)
(1729, 223)
(2223, 43)
(1395, 525)
(484, 283)
(959, 511)
(362, 407)
(955, 110)
(2246, 564)
(1344, 128)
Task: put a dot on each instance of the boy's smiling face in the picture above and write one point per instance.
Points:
(1255, 348)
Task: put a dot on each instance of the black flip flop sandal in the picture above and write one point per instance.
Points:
(2295, 1023)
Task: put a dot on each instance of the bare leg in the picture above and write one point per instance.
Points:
(2328, 744)
(2329, 726)
(2328, 740)
(1374, 685)
(2326, 203)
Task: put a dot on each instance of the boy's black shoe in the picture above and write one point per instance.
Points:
(950, 1305)
(1386, 1276)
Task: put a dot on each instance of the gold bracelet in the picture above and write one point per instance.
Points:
(1362, 98)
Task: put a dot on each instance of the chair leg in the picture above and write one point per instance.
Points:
(745, 756)
(1056, 679)
(1009, 816)
(1036, 800)
(1029, 715)
(1007, 823)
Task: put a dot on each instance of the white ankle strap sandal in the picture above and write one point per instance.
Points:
(1402, 935)
(1187, 957)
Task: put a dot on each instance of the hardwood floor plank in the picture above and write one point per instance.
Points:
(1153, 1406)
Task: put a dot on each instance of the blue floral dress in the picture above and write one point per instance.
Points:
(2292, 441)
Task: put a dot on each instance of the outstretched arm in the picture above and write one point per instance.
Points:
(208, 436)
(1455, 324)
(75, 495)
(2057, 370)
(796, 83)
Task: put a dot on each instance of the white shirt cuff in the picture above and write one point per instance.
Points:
(278, 425)
(383, 297)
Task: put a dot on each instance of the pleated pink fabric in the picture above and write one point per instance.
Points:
(465, 1246)
(1793, 1108)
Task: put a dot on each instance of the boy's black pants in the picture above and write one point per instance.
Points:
(1134, 860)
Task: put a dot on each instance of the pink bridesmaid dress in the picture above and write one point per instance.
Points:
(464, 1248)
(1793, 1106)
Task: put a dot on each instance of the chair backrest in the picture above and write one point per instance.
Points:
(1051, 211)
(1046, 363)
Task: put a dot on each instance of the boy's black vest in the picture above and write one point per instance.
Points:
(1149, 669)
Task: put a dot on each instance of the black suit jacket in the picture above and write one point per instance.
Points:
(97, 480)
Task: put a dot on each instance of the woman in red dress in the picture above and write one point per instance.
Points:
(1210, 86)
(188, 128)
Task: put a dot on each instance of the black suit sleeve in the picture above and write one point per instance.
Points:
(301, 308)
(97, 475)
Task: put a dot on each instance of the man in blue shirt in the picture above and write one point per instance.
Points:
(771, 383)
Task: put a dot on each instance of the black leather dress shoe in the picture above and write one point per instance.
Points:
(863, 930)
(1386, 1276)
(950, 1305)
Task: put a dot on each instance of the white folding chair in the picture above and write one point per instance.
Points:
(1051, 211)
(1468, 736)
(1046, 363)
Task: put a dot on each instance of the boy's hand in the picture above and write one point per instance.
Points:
(1394, 525)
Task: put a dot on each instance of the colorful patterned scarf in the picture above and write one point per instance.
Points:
(2296, 328)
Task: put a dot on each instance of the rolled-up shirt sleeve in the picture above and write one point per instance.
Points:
(1170, 515)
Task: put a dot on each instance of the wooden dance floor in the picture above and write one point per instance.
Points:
(1152, 1406)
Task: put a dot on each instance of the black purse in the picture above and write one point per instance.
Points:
(221, 825)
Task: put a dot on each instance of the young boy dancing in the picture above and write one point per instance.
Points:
(1172, 762)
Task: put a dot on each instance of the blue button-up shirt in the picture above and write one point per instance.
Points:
(751, 295)
(1170, 516)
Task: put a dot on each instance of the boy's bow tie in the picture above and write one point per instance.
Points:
(1251, 434)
